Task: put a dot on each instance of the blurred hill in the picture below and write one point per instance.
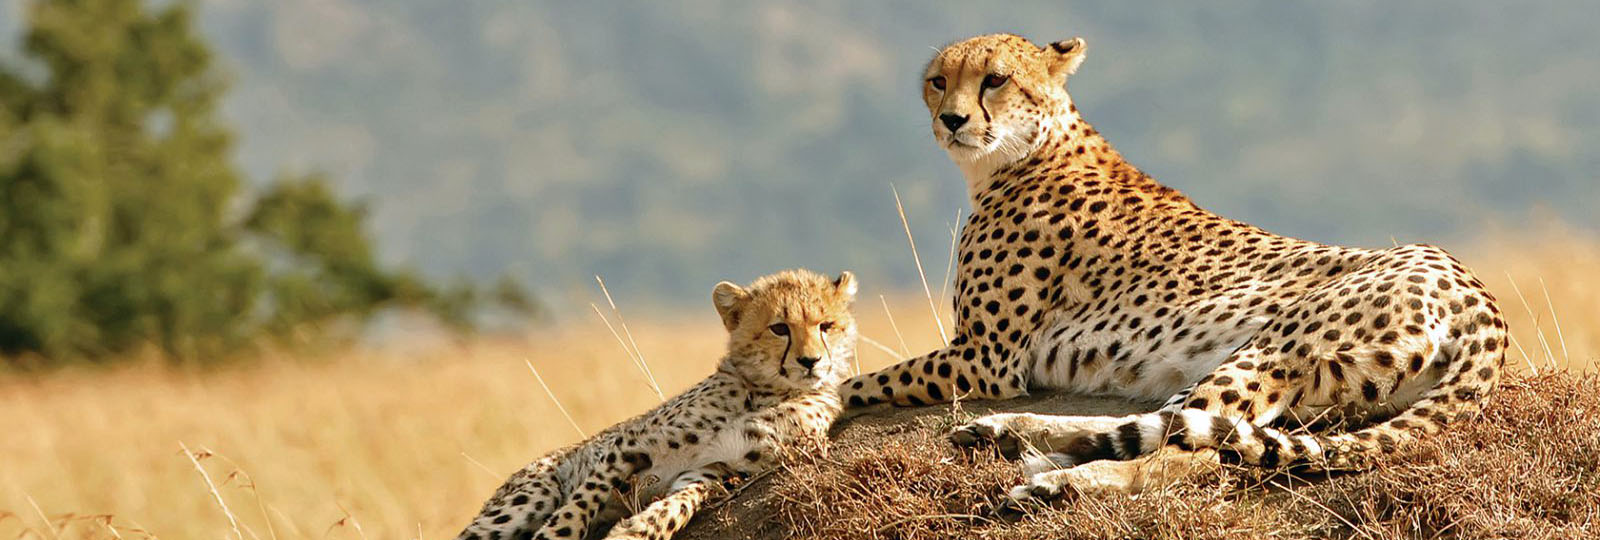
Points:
(668, 146)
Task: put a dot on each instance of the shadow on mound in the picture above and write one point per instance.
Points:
(1528, 468)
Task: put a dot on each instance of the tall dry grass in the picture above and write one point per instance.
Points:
(406, 443)
(402, 443)
(1548, 283)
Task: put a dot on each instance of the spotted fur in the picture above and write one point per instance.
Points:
(1079, 272)
(791, 341)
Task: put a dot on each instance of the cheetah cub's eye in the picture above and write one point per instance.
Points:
(937, 82)
(779, 329)
(827, 326)
(995, 81)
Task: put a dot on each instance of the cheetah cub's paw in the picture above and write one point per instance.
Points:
(996, 429)
(1040, 492)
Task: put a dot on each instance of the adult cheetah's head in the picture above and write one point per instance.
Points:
(989, 96)
(790, 330)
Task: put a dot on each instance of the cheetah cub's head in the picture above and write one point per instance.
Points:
(989, 96)
(790, 330)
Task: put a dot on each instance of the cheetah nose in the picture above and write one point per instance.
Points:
(807, 361)
(953, 121)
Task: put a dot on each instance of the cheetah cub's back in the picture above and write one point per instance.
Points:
(791, 340)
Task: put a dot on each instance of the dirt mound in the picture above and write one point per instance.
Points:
(1528, 468)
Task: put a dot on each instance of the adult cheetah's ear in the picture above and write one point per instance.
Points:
(729, 299)
(846, 284)
(1064, 57)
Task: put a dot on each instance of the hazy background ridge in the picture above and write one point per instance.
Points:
(667, 147)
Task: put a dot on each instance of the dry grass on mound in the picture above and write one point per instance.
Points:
(1530, 468)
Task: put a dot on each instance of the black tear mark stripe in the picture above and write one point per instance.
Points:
(788, 341)
(827, 351)
(981, 91)
(981, 107)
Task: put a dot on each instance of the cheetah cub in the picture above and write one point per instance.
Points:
(791, 338)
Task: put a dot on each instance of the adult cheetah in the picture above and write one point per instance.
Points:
(1078, 272)
(791, 340)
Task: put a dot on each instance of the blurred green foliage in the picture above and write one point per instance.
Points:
(123, 222)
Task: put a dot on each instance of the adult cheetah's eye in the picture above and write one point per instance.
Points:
(826, 326)
(779, 329)
(995, 81)
(937, 82)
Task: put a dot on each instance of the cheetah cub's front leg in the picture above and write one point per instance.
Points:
(665, 517)
(751, 448)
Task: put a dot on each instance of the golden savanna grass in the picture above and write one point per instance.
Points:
(406, 443)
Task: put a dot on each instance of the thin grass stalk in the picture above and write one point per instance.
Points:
(1565, 358)
(636, 352)
(1538, 329)
(480, 465)
(638, 364)
(905, 349)
(553, 399)
(232, 521)
(880, 346)
(950, 264)
(918, 259)
(40, 511)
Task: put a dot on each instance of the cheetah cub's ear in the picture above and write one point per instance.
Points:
(1063, 57)
(730, 300)
(846, 284)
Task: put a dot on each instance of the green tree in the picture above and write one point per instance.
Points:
(122, 219)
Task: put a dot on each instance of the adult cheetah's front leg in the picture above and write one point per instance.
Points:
(1024, 435)
(958, 371)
